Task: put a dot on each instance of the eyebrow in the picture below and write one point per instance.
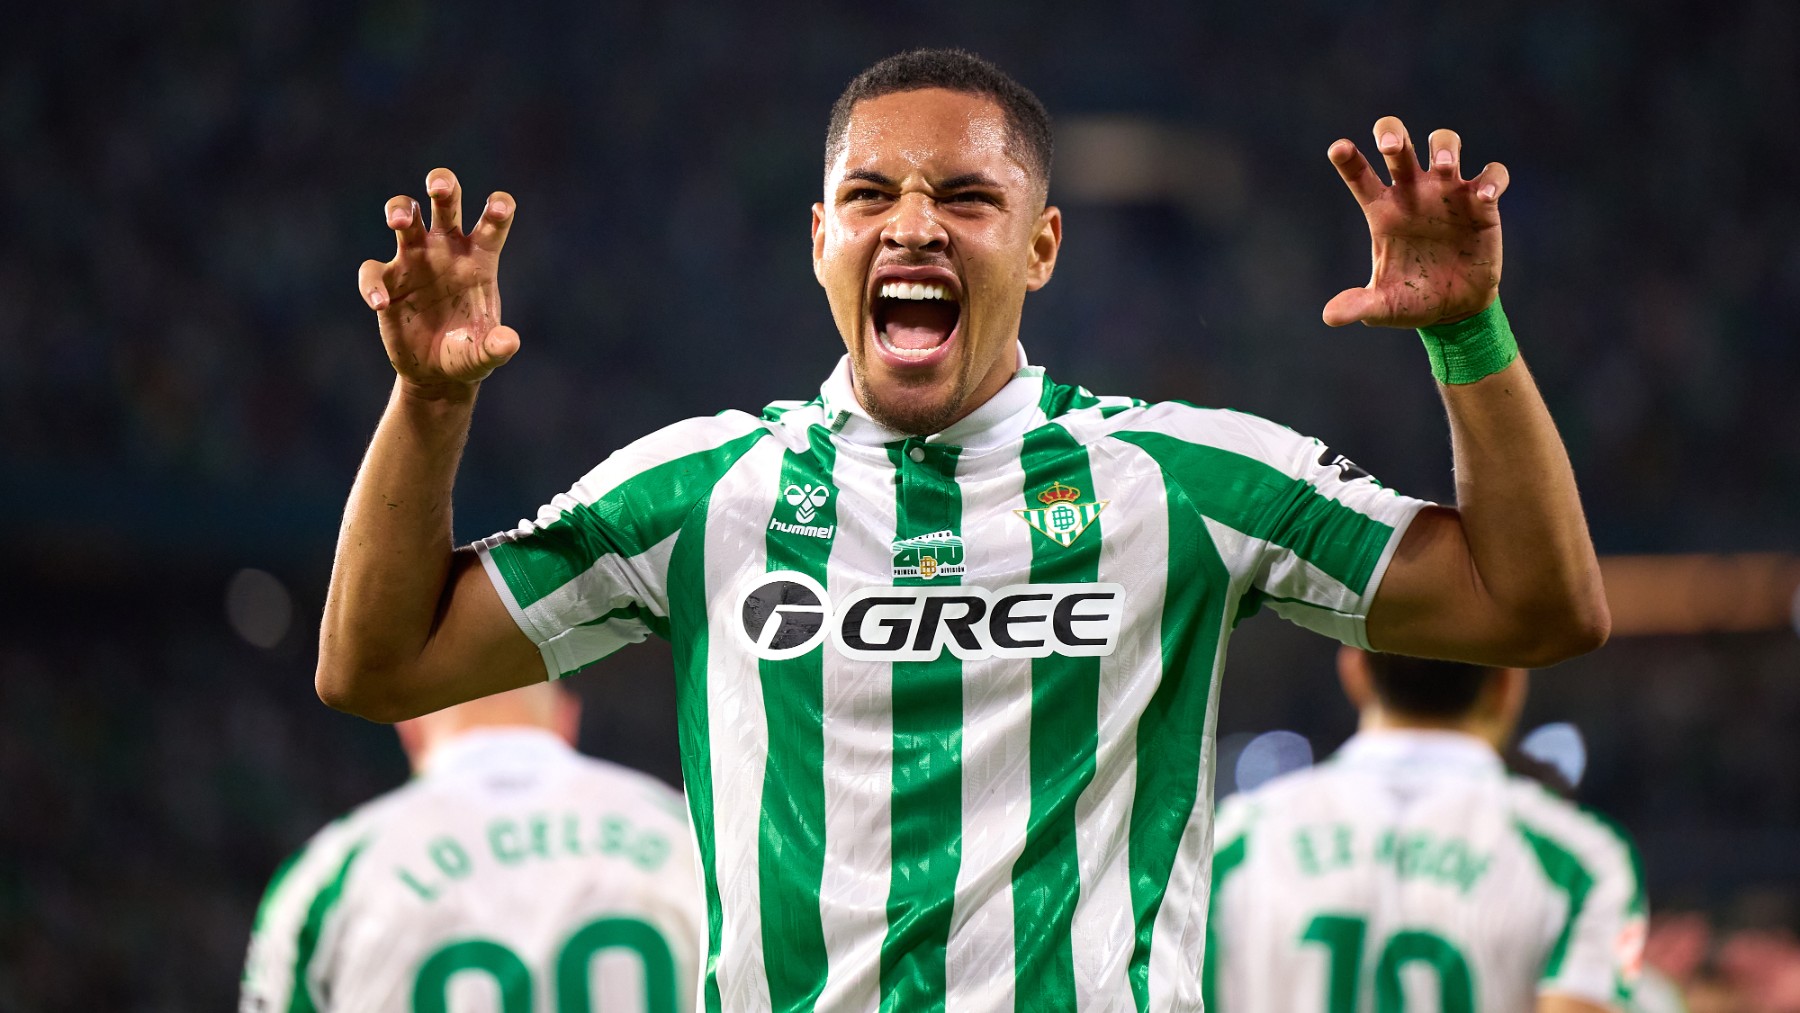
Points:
(962, 181)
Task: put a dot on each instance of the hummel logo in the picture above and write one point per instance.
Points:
(806, 500)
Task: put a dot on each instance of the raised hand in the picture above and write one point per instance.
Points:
(438, 300)
(1435, 236)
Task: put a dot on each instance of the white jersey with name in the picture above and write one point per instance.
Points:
(515, 875)
(946, 703)
(1412, 872)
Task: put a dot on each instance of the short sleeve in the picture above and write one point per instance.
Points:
(1597, 950)
(1300, 526)
(291, 938)
(1329, 537)
(589, 574)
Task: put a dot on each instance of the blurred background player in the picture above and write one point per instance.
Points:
(510, 874)
(1413, 872)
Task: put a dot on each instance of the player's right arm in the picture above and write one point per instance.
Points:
(411, 624)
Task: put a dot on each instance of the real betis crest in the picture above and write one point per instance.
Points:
(1063, 517)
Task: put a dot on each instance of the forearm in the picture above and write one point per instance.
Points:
(394, 552)
(1521, 515)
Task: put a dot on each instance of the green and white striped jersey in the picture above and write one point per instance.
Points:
(1412, 872)
(514, 875)
(946, 703)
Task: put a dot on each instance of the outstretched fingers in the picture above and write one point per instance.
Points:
(446, 200)
(1364, 185)
(1354, 304)
(1488, 185)
(1446, 154)
(1491, 182)
(496, 221)
(1396, 148)
(468, 357)
(371, 281)
(408, 224)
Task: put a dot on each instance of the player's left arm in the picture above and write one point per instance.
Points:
(288, 942)
(1508, 577)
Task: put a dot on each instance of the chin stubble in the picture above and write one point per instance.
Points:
(913, 420)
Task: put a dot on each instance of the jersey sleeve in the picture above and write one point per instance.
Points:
(1331, 535)
(1597, 950)
(590, 574)
(1307, 531)
(290, 939)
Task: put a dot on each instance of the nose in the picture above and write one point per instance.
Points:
(913, 225)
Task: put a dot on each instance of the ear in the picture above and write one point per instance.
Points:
(565, 718)
(1044, 246)
(1509, 691)
(413, 743)
(818, 239)
(1353, 675)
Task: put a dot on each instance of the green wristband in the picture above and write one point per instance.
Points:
(1466, 351)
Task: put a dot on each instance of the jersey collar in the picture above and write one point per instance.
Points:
(1004, 418)
(1422, 750)
(488, 748)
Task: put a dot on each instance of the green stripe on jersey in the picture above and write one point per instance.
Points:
(791, 845)
(300, 997)
(633, 516)
(279, 879)
(1639, 903)
(1262, 502)
(1571, 877)
(1173, 732)
(1065, 705)
(1225, 862)
(1060, 399)
(927, 800)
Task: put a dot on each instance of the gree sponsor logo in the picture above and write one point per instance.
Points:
(783, 615)
(786, 614)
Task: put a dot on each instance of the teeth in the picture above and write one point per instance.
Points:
(913, 290)
(904, 353)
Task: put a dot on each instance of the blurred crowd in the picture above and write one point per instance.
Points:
(1750, 970)
(197, 189)
(190, 377)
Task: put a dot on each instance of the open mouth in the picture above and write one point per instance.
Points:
(914, 319)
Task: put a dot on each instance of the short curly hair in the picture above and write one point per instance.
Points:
(953, 70)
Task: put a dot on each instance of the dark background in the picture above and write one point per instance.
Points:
(187, 376)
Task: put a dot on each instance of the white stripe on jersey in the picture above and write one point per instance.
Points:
(735, 707)
(1105, 925)
(859, 761)
(996, 790)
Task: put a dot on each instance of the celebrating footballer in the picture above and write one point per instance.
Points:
(948, 633)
